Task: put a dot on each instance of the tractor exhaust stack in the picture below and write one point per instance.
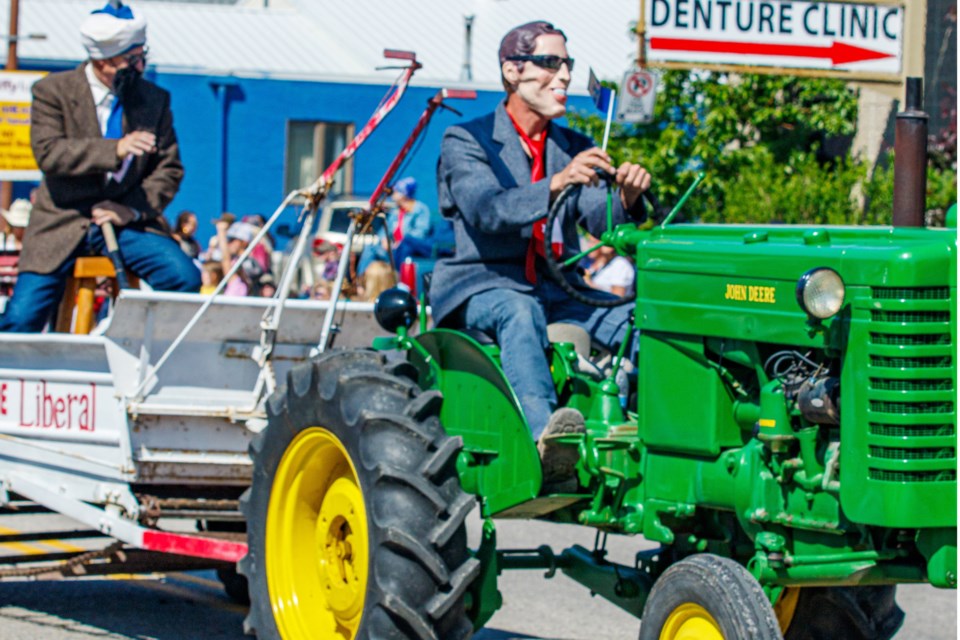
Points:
(910, 160)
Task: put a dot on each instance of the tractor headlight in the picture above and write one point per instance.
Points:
(820, 292)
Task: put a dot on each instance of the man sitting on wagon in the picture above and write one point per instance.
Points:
(103, 138)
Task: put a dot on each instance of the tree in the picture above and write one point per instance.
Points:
(774, 148)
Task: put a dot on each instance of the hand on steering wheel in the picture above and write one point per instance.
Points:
(634, 181)
(556, 267)
(585, 168)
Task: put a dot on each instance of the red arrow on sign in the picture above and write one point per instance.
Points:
(838, 53)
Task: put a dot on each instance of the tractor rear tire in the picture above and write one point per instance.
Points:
(710, 598)
(845, 613)
(234, 585)
(355, 516)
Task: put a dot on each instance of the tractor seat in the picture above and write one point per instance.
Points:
(556, 332)
(482, 338)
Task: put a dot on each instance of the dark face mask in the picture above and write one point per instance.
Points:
(125, 82)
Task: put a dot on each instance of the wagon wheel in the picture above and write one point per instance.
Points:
(843, 613)
(707, 597)
(355, 515)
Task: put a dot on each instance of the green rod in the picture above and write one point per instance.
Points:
(583, 254)
(631, 331)
(609, 207)
(676, 209)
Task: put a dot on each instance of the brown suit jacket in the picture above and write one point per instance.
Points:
(75, 158)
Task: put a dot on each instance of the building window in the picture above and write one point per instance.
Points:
(311, 148)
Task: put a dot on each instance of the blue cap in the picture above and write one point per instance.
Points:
(406, 187)
(117, 9)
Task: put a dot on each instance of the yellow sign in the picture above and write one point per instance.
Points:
(751, 293)
(16, 157)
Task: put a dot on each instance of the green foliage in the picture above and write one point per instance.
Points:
(758, 138)
(799, 191)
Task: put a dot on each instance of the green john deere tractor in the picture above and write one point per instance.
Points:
(790, 442)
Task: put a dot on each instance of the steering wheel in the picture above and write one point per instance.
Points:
(557, 266)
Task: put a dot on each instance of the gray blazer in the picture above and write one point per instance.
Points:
(75, 158)
(492, 224)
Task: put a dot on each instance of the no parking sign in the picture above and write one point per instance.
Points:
(638, 95)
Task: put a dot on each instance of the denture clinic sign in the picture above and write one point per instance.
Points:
(839, 38)
(16, 158)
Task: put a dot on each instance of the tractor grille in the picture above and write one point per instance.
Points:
(911, 316)
(911, 390)
(915, 293)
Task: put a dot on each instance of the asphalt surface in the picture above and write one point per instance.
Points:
(187, 606)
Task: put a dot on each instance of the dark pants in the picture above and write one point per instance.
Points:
(153, 257)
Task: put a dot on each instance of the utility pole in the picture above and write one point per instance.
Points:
(6, 187)
(642, 36)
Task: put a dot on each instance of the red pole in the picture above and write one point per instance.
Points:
(432, 105)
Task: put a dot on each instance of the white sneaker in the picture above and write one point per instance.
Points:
(559, 461)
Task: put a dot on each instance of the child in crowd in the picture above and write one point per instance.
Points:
(184, 231)
(326, 259)
(322, 290)
(267, 286)
(610, 272)
(233, 241)
(211, 275)
(376, 279)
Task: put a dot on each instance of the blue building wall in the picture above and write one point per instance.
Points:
(257, 114)
(235, 157)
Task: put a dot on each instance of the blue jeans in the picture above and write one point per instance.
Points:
(518, 322)
(410, 247)
(156, 258)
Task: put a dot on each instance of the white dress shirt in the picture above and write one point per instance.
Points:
(103, 99)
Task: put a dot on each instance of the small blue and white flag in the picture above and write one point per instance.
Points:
(600, 94)
(604, 98)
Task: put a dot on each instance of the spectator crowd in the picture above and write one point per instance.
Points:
(368, 275)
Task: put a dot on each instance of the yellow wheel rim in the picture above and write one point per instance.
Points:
(690, 621)
(317, 549)
(786, 607)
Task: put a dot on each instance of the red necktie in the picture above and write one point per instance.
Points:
(398, 232)
(537, 172)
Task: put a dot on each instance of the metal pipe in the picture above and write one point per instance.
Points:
(342, 267)
(910, 159)
(466, 70)
(222, 92)
(314, 194)
(141, 388)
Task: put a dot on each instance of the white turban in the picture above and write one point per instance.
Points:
(112, 31)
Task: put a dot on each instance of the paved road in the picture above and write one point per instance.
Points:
(188, 606)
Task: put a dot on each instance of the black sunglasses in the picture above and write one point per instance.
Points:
(134, 58)
(550, 62)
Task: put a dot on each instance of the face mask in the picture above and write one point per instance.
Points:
(538, 95)
(125, 81)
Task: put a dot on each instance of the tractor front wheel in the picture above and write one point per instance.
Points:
(707, 597)
(355, 514)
